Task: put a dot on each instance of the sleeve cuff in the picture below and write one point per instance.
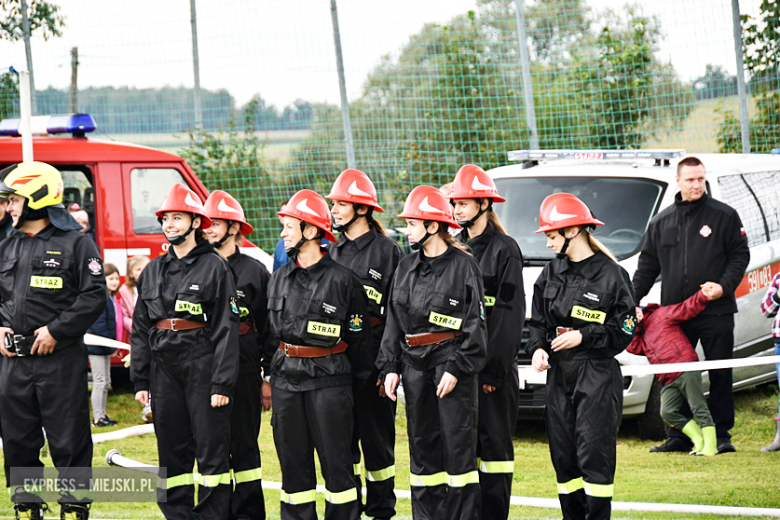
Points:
(222, 390)
(453, 369)
(775, 299)
(490, 379)
(585, 331)
(141, 386)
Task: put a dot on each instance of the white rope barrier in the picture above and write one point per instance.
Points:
(100, 341)
(114, 458)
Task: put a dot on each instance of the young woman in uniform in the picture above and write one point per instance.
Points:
(472, 196)
(583, 314)
(320, 325)
(251, 394)
(364, 248)
(436, 340)
(185, 351)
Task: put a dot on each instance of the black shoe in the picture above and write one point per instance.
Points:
(110, 420)
(673, 444)
(725, 446)
(74, 512)
(33, 511)
(103, 422)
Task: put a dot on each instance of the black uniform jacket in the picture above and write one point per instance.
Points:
(55, 279)
(318, 307)
(501, 263)
(6, 226)
(690, 243)
(598, 301)
(441, 294)
(252, 285)
(198, 287)
(373, 258)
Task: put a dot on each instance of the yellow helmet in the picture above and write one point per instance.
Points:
(40, 183)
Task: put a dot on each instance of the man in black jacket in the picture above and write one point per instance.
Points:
(6, 221)
(698, 240)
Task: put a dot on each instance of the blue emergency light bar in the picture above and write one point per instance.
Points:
(593, 155)
(76, 124)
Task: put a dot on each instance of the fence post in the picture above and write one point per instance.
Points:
(343, 88)
(28, 53)
(195, 64)
(525, 65)
(744, 118)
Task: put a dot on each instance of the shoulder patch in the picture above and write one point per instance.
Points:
(234, 305)
(356, 322)
(95, 266)
(629, 324)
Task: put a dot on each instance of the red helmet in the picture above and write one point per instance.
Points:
(221, 205)
(428, 203)
(181, 198)
(472, 182)
(354, 186)
(309, 206)
(562, 210)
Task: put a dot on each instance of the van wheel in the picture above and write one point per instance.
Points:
(651, 426)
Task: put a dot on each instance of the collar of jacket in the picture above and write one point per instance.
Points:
(438, 264)
(317, 270)
(360, 242)
(44, 234)
(202, 248)
(689, 205)
(235, 257)
(477, 242)
(560, 266)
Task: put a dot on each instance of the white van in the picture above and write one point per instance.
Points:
(625, 189)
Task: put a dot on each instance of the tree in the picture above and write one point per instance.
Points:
(760, 47)
(715, 83)
(44, 18)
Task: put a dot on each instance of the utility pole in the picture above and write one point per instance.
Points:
(196, 64)
(28, 52)
(343, 88)
(73, 105)
(744, 118)
(525, 65)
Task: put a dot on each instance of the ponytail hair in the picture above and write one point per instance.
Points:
(495, 222)
(597, 246)
(444, 233)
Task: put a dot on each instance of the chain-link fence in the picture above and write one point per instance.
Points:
(431, 84)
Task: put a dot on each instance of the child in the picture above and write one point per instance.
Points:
(109, 325)
(769, 306)
(660, 337)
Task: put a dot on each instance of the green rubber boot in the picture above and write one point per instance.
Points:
(710, 442)
(692, 430)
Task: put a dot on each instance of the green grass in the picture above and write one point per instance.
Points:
(746, 478)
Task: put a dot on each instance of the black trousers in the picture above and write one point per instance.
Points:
(302, 422)
(189, 428)
(717, 340)
(442, 446)
(495, 451)
(48, 392)
(246, 501)
(374, 430)
(584, 408)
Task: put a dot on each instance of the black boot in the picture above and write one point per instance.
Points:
(673, 444)
(775, 446)
(30, 511)
(74, 512)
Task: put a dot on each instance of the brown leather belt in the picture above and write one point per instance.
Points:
(174, 324)
(245, 327)
(419, 340)
(311, 352)
(562, 330)
(376, 321)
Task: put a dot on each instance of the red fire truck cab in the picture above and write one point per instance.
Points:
(120, 185)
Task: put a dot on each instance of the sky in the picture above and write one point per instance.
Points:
(284, 50)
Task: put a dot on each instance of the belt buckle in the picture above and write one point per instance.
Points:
(18, 338)
(406, 339)
(286, 349)
(173, 324)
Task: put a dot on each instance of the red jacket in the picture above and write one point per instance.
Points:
(660, 337)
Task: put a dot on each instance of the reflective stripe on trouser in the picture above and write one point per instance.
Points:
(496, 462)
(374, 432)
(442, 444)
(46, 392)
(302, 422)
(584, 407)
(246, 499)
(189, 429)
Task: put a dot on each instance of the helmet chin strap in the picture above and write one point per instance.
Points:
(179, 239)
(416, 246)
(468, 223)
(30, 214)
(566, 241)
(219, 243)
(292, 253)
(343, 227)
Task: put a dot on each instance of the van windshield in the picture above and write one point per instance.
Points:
(625, 205)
